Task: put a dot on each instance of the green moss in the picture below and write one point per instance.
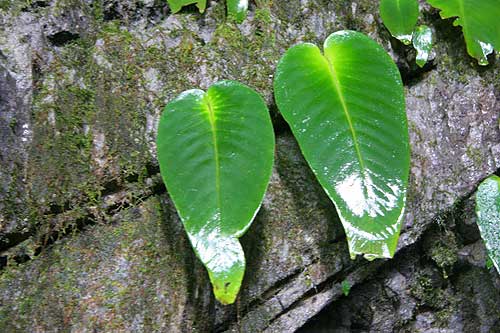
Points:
(474, 154)
(263, 16)
(14, 7)
(101, 279)
(444, 251)
(428, 293)
(428, 290)
(90, 119)
(61, 156)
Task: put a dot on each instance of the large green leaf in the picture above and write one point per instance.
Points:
(346, 109)
(176, 5)
(400, 17)
(422, 42)
(480, 21)
(216, 153)
(488, 216)
(237, 9)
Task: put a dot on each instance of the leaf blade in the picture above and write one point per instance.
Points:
(237, 9)
(333, 118)
(176, 5)
(216, 153)
(479, 22)
(400, 17)
(488, 216)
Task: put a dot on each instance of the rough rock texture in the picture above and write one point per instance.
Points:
(91, 242)
(436, 285)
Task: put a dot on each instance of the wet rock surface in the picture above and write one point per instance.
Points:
(90, 240)
(436, 285)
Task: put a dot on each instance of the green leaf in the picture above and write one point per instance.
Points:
(237, 9)
(480, 22)
(489, 263)
(488, 216)
(422, 42)
(400, 17)
(216, 152)
(346, 109)
(176, 5)
(346, 287)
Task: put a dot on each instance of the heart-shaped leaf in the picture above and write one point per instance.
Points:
(422, 42)
(400, 17)
(237, 9)
(176, 5)
(488, 216)
(216, 152)
(480, 22)
(346, 109)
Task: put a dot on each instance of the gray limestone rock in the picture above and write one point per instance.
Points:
(91, 242)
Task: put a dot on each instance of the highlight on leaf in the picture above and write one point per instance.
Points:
(480, 24)
(216, 152)
(488, 217)
(346, 109)
(422, 42)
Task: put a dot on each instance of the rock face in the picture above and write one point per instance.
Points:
(90, 240)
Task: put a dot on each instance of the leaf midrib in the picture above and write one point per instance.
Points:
(338, 90)
(403, 18)
(462, 16)
(212, 120)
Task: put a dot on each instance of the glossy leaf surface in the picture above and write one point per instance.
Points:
(176, 5)
(480, 22)
(216, 152)
(488, 216)
(237, 9)
(346, 109)
(422, 42)
(400, 17)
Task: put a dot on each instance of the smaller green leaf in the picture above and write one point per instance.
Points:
(176, 5)
(488, 216)
(346, 287)
(422, 42)
(400, 17)
(489, 263)
(237, 9)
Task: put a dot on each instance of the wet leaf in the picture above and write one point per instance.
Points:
(176, 5)
(346, 109)
(400, 17)
(216, 151)
(422, 42)
(237, 9)
(480, 22)
(488, 216)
